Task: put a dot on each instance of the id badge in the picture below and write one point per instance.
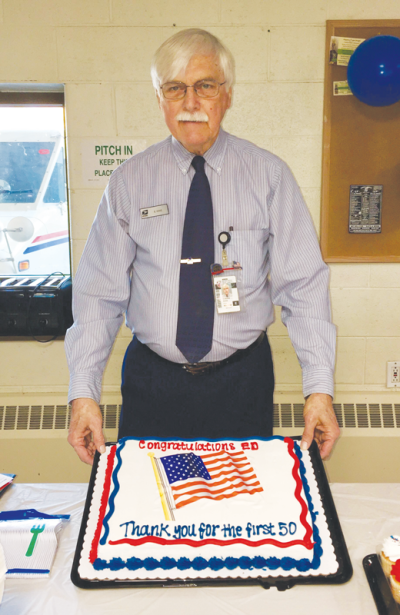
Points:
(227, 287)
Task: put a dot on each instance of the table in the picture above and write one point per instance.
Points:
(368, 513)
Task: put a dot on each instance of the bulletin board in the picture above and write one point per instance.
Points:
(361, 147)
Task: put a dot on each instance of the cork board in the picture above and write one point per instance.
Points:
(361, 146)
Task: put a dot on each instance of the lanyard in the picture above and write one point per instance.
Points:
(224, 238)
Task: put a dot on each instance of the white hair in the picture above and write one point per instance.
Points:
(175, 54)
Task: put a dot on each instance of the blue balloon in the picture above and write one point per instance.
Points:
(374, 71)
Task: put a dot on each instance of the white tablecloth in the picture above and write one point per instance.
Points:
(367, 512)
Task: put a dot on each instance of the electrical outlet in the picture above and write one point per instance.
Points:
(393, 374)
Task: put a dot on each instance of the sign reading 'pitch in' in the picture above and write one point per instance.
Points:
(101, 157)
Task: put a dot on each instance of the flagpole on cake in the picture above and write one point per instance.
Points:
(169, 515)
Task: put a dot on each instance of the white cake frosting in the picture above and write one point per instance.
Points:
(165, 509)
(391, 547)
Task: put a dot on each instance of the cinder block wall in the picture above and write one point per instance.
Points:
(101, 50)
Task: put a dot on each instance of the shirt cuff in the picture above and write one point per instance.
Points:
(84, 385)
(317, 380)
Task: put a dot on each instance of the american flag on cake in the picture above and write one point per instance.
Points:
(214, 476)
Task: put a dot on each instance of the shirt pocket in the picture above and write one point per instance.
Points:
(250, 249)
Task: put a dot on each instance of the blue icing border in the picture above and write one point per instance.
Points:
(199, 563)
(214, 563)
(316, 561)
(111, 504)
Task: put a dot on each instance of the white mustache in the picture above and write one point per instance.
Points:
(196, 116)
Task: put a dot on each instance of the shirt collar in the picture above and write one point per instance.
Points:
(214, 156)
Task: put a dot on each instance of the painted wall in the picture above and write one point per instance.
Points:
(101, 50)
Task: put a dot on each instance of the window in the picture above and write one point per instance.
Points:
(34, 228)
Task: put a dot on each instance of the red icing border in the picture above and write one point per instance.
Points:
(299, 485)
(103, 503)
(135, 542)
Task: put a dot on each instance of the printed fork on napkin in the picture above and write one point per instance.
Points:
(29, 540)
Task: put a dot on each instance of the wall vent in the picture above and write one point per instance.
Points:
(349, 416)
(110, 414)
(49, 418)
(48, 421)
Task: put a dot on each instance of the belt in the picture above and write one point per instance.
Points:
(206, 367)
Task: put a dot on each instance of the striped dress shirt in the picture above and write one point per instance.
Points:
(131, 264)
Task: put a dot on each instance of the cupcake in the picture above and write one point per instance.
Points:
(390, 553)
(395, 581)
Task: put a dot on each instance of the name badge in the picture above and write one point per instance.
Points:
(228, 288)
(226, 294)
(156, 210)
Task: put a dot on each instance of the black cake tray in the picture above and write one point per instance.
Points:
(380, 589)
(344, 573)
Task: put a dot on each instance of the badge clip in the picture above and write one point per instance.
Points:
(224, 238)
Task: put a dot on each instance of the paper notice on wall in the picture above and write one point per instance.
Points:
(101, 157)
(341, 88)
(341, 49)
(365, 209)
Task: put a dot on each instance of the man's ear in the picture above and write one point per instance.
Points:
(158, 99)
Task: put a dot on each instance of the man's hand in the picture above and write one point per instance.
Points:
(320, 424)
(85, 431)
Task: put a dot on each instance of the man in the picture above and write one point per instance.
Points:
(206, 191)
(225, 290)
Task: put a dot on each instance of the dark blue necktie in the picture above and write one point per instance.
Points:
(196, 301)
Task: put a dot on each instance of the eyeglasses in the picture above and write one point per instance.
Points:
(206, 88)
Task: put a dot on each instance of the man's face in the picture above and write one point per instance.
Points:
(197, 137)
(226, 290)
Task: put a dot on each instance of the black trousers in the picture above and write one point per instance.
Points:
(162, 400)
